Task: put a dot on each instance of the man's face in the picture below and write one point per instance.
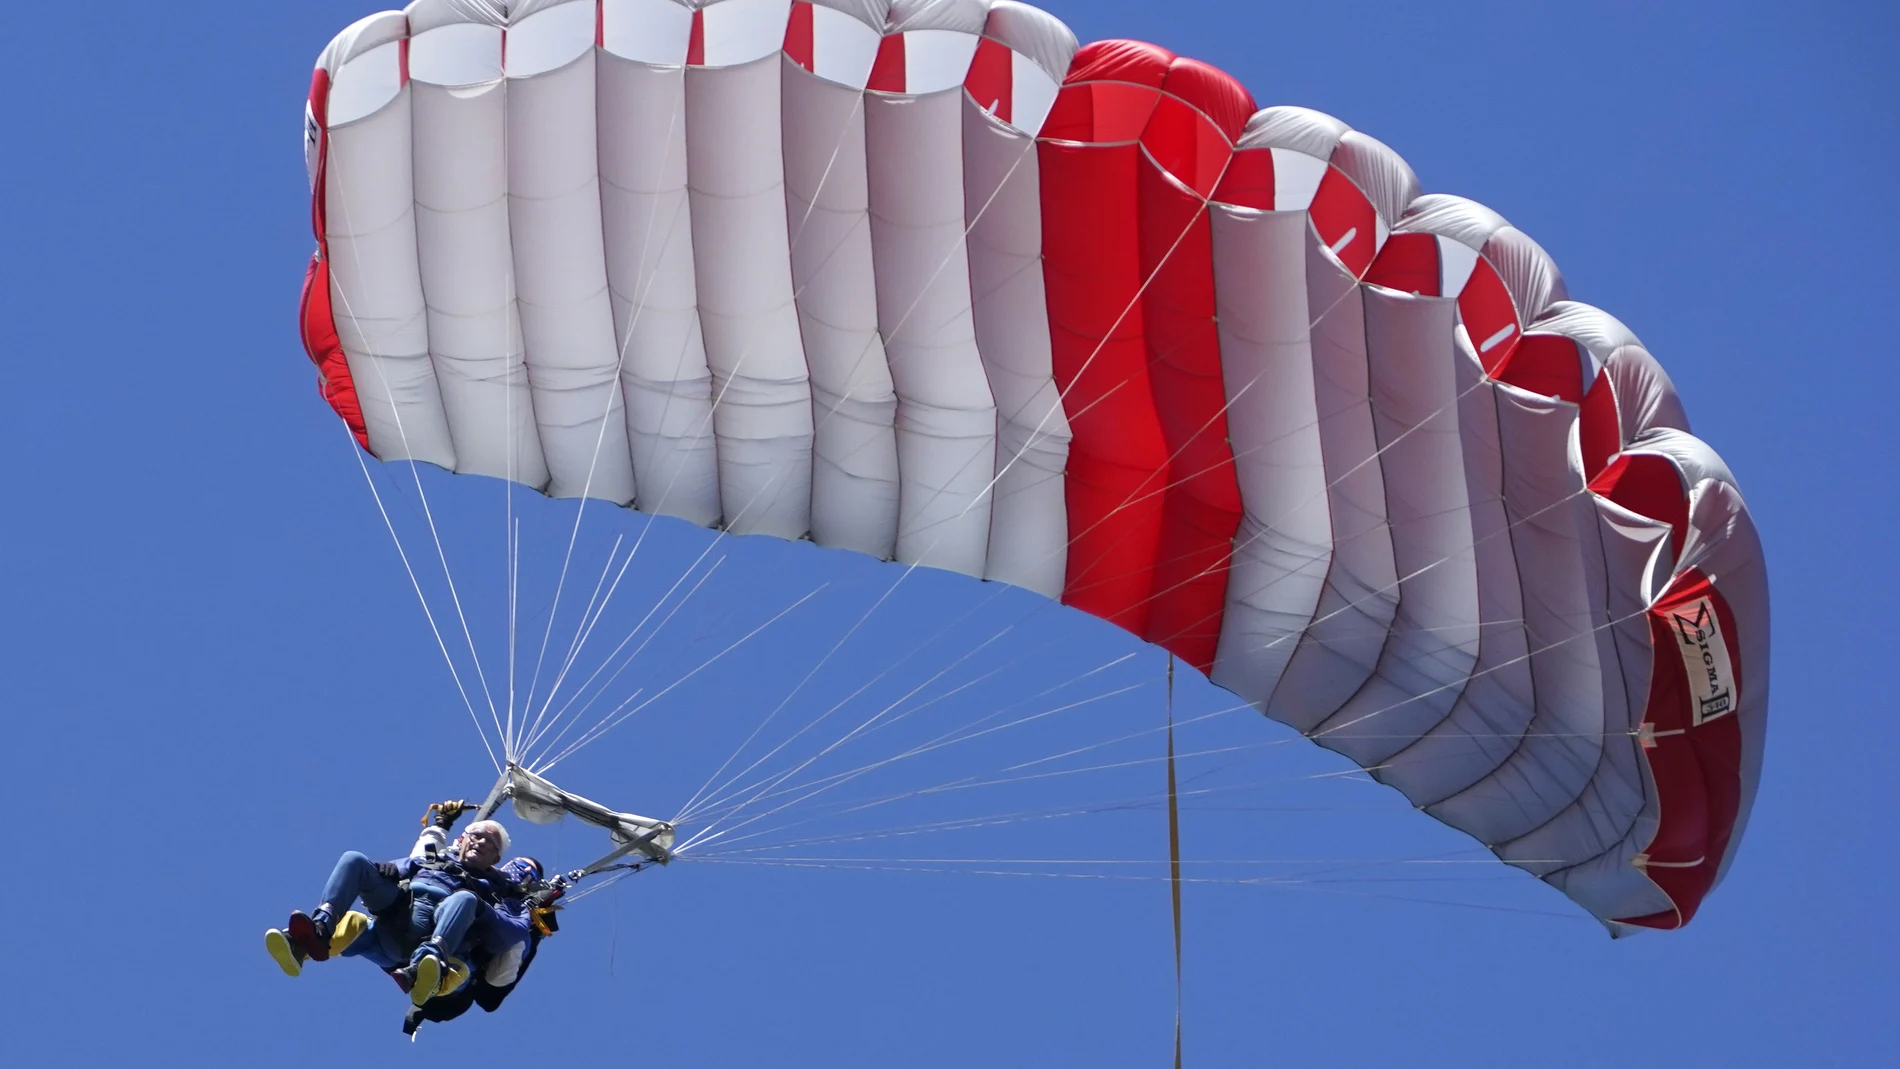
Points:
(480, 847)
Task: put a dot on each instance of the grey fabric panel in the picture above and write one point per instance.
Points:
(1559, 751)
(1496, 704)
(1035, 33)
(467, 260)
(376, 287)
(425, 15)
(870, 12)
(1264, 302)
(1529, 274)
(946, 416)
(1379, 172)
(827, 194)
(1302, 129)
(964, 16)
(560, 270)
(1433, 641)
(742, 262)
(647, 218)
(1340, 649)
(1029, 521)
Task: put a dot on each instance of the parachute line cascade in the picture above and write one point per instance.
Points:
(538, 801)
(934, 282)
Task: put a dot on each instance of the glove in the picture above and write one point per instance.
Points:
(545, 897)
(389, 870)
(444, 814)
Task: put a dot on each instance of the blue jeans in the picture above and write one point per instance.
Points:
(396, 939)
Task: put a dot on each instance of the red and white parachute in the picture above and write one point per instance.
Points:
(927, 281)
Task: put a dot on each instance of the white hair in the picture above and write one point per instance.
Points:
(494, 828)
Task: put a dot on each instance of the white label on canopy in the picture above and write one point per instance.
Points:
(1705, 659)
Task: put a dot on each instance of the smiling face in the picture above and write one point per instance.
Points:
(480, 846)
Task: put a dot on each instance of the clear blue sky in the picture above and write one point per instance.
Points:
(217, 677)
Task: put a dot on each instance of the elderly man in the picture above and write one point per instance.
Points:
(424, 907)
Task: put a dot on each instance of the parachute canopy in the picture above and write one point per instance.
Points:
(928, 281)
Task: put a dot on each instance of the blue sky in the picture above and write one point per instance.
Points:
(218, 677)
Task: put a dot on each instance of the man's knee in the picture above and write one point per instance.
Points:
(355, 859)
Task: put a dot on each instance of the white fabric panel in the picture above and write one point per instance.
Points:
(1529, 274)
(1560, 749)
(1385, 178)
(560, 268)
(1035, 93)
(546, 35)
(1296, 177)
(376, 286)
(1496, 703)
(854, 492)
(1284, 543)
(467, 256)
(1645, 396)
(1034, 34)
(427, 15)
(456, 55)
(946, 416)
(1002, 206)
(1339, 650)
(365, 66)
(739, 32)
(935, 60)
(647, 219)
(844, 45)
(647, 31)
(1303, 130)
(1433, 642)
(867, 13)
(742, 261)
(962, 16)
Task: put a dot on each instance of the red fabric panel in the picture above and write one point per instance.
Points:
(1547, 364)
(1490, 316)
(798, 36)
(318, 324)
(1698, 772)
(1120, 61)
(316, 318)
(1214, 93)
(1248, 182)
(1341, 209)
(1187, 145)
(992, 79)
(1650, 485)
(887, 73)
(1600, 427)
(1409, 264)
(1093, 272)
(600, 26)
(696, 44)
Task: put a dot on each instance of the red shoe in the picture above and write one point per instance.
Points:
(308, 936)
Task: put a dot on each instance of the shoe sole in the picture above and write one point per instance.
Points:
(302, 933)
(428, 981)
(277, 944)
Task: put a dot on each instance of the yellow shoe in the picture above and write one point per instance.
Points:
(277, 944)
(427, 980)
(352, 925)
(454, 978)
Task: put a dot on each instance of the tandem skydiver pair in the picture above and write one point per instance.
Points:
(451, 923)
